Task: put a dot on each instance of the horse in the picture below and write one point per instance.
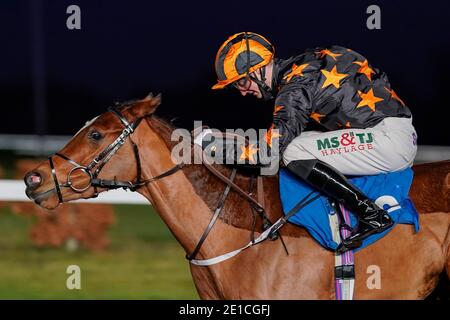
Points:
(131, 144)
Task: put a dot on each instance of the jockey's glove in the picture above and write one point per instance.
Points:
(233, 151)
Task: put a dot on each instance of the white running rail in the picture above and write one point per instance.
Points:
(14, 190)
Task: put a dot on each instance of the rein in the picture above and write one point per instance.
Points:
(93, 169)
(101, 160)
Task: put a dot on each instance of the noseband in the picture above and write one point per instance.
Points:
(92, 170)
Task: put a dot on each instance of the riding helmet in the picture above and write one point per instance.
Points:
(240, 55)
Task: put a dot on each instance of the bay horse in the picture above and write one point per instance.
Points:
(409, 264)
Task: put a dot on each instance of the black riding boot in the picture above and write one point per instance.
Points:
(371, 218)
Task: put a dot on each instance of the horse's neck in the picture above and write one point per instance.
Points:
(175, 198)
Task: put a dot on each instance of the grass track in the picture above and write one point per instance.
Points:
(143, 262)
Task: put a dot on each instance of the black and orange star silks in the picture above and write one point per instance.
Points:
(365, 69)
(326, 52)
(276, 109)
(333, 77)
(368, 99)
(270, 135)
(295, 71)
(395, 96)
(347, 125)
(248, 153)
(316, 116)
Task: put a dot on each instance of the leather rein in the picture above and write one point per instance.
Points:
(93, 169)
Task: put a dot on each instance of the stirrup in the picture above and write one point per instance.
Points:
(348, 245)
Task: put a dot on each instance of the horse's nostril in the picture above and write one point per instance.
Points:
(33, 179)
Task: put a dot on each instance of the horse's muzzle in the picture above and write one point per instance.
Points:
(33, 180)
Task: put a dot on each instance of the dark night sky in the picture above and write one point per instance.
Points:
(128, 48)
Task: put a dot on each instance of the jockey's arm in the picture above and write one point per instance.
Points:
(293, 107)
(292, 110)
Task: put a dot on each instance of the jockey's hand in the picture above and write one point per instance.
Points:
(203, 139)
(231, 151)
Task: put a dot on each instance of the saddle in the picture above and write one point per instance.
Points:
(390, 191)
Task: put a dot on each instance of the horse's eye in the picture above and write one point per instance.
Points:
(95, 135)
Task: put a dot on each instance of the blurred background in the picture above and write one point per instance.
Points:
(52, 80)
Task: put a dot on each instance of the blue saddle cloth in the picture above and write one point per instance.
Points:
(390, 189)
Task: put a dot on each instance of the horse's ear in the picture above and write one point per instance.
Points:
(146, 106)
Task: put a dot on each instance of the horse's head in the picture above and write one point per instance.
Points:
(100, 154)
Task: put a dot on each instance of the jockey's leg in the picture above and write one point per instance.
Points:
(389, 146)
(331, 182)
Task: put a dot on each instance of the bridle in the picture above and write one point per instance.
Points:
(93, 169)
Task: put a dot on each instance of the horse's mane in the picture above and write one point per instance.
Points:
(198, 175)
(164, 128)
(237, 211)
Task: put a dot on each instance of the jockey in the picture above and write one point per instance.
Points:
(364, 127)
